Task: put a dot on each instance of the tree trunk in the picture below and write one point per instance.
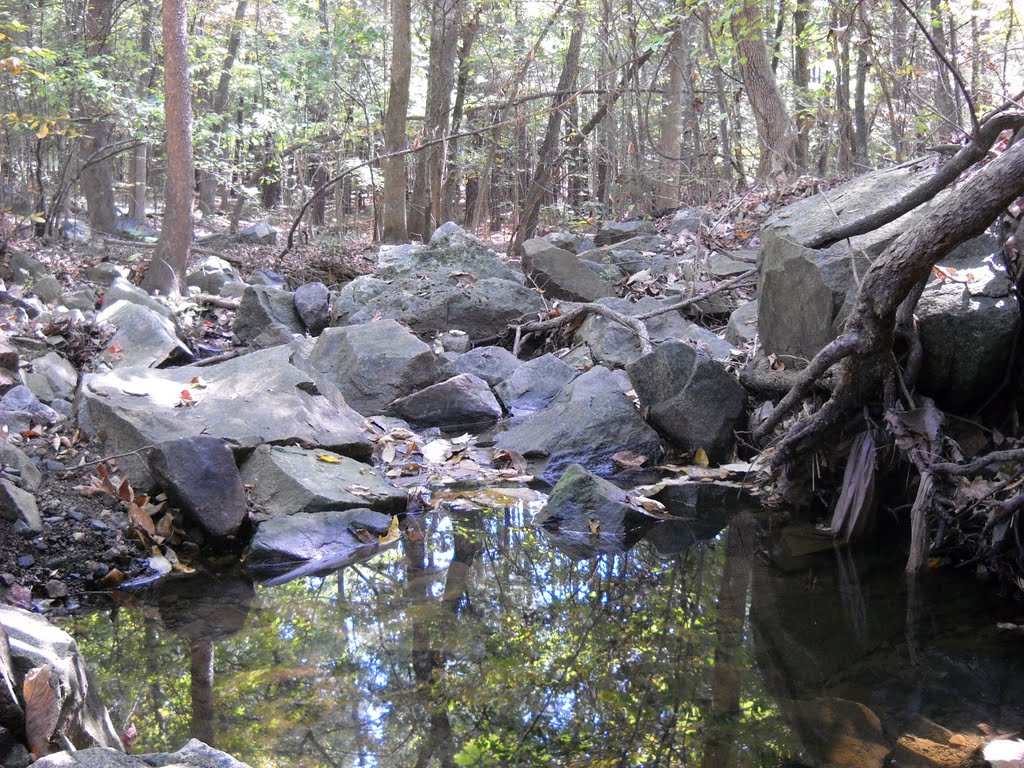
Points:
(770, 114)
(860, 111)
(801, 85)
(204, 719)
(166, 271)
(97, 171)
(396, 229)
(669, 146)
(944, 104)
(137, 205)
(450, 188)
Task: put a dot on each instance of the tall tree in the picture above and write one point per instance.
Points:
(770, 114)
(97, 171)
(396, 228)
(166, 272)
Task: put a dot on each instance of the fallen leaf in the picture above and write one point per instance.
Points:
(160, 564)
(140, 518)
(388, 453)
(700, 458)
(326, 459)
(41, 709)
(198, 382)
(393, 534)
(595, 526)
(112, 580)
(437, 451)
(365, 536)
(629, 459)
(958, 740)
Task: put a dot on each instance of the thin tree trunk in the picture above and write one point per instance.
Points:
(204, 721)
(669, 146)
(860, 112)
(137, 206)
(801, 85)
(944, 104)
(450, 190)
(395, 181)
(97, 175)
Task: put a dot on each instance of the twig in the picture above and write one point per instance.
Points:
(995, 457)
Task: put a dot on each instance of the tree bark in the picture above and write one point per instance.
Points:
(669, 146)
(166, 272)
(770, 114)
(396, 229)
(97, 174)
(140, 162)
(801, 85)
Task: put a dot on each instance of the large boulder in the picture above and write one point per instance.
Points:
(372, 365)
(588, 425)
(195, 754)
(36, 644)
(803, 292)
(534, 384)
(492, 364)
(199, 474)
(460, 403)
(52, 378)
(968, 321)
(143, 339)
(617, 231)
(690, 398)
(250, 400)
(313, 304)
(289, 480)
(122, 289)
(560, 275)
(260, 307)
(213, 275)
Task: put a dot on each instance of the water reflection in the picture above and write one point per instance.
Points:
(480, 642)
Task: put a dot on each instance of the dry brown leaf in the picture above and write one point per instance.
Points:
(140, 518)
(393, 534)
(629, 459)
(364, 536)
(42, 709)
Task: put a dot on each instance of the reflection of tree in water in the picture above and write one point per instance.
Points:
(478, 643)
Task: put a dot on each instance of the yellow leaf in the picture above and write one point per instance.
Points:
(700, 458)
(43, 132)
(328, 459)
(393, 534)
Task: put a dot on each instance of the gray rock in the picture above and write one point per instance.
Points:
(250, 400)
(19, 505)
(134, 229)
(288, 480)
(327, 538)
(20, 398)
(534, 384)
(596, 381)
(492, 364)
(724, 265)
(460, 403)
(372, 364)
(105, 273)
(47, 289)
(801, 292)
(144, 339)
(612, 344)
(588, 429)
(689, 219)
(18, 467)
(642, 244)
(451, 250)
(261, 306)
(581, 501)
(742, 327)
(560, 275)
(26, 268)
(707, 342)
(52, 378)
(690, 398)
(16, 421)
(75, 231)
(35, 642)
(267, 278)
(83, 299)
(122, 289)
(212, 274)
(457, 342)
(618, 231)
(195, 754)
(313, 304)
(260, 233)
(967, 325)
(274, 335)
(11, 713)
(10, 357)
(199, 474)
(569, 241)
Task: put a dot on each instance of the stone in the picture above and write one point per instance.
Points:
(52, 378)
(21, 399)
(83, 299)
(10, 357)
(288, 480)
(195, 754)
(967, 324)
(47, 289)
(457, 342)
(12, 716)
(583, 502)
(326, 539)
(560, 275)
(700, 510)
(143, 339)
(260, 306)
(534, 384)
(206, 607)
(260, 233)
(199, 475)
(724, 265)
(19, 505)
(569, 241)
(247, 401)
(135, 229)
(313, 304)
(17, 466)
(274, 335)
(461, 403)
(742, 326)
(617, 231)
(268, 278)
(802, 292)
(688, 219)
(492, 364)
(372, 365)
(612, 344)
(75, 231)
(35, 642)
(105, 273)
(26, 268)
(122, 289)
(690, 398)
(212, 274)
(587, 428)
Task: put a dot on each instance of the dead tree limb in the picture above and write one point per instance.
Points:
(868, 336)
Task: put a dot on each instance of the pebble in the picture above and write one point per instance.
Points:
(78, 536)
(76, 514)
(99, 525)
(7, 579)
(51, 465)
(40, 545)
(26, 561)
(21, 528)
(56, 588)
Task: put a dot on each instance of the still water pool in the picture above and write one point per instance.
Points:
(479, 640)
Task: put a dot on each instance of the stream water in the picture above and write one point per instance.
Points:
(479, 640)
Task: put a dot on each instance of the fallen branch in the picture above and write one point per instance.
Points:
(995, 457)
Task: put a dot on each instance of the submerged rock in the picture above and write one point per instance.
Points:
(583, 502)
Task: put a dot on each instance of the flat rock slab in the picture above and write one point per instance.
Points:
(325, 539)
(200, 475)
(144, 338)
(587, 429)
(463, 402)
(250, 400)
(288, 480)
